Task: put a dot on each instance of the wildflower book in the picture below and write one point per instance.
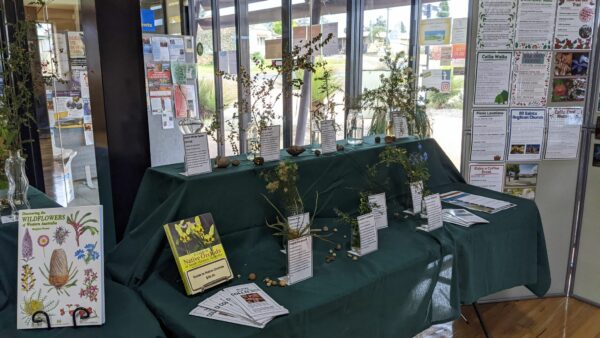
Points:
(198, 252)
(61, 267)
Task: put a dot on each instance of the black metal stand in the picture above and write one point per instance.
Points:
(83, 314)
(480, 320)
(35, 319)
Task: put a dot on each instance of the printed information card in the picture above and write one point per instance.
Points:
(328, 137)
(489, 176)
(379, 208)
(435, 217)
(270, 140)
(416, 193)
(400, 125)
(197, 155)
(300, 259)
(368, 234)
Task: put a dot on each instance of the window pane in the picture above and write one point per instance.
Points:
(442, 65)
(65, 126)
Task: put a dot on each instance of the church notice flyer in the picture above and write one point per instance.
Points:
(489, 135)
(574, 24)
(533, 19)
(488, 176)
(526, 134)
(530, 80)
(493, 79)
(564, 130)
(496, 24)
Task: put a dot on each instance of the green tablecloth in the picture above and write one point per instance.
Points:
(414, 280)
(126, 314)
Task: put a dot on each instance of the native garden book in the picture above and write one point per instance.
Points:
(198, 252)
(60, 267)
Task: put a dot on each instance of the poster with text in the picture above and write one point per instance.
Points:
(496, 24)
(435, 31)
(439, 79)
(526, 134)
(160, 86)
(521, 179)
(488, 176)
(185, 101)
(574, 24)
(533, 19)
(76, 46)
(493, 79)
(564, 130)
(459, 30)
(489, 135)
(530, 78)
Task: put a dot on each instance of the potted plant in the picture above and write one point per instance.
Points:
(397, 93)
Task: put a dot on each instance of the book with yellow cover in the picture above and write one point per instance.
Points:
(198, 252)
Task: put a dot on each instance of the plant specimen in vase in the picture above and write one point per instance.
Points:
(34, 303)
(61, 275)
(364, 207)
(258, 99)
(398, 91)
(82, 225)
(27, 278)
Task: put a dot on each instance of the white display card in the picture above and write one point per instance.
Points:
(270, 139)
(328, 137)
(379, 209)
(197, 155)
(368, 234)
(435, 218)
(400, 125)
(300, 259)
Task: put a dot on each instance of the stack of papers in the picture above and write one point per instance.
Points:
(462, 217)
(476, 202)
(245, 304)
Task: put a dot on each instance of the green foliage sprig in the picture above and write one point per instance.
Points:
(364, 207)
(414, 164)
(398, 91)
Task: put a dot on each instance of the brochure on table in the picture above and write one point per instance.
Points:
(489, 135)
(475, 202)
(60, 266)
(462, 217)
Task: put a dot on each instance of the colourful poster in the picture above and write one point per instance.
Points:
(574, 24)
(496, 24)
(435, 31)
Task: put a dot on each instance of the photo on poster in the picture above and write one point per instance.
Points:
(525, 192)
(520, 175)
(569, 90)
(596, 158)
(571, 64)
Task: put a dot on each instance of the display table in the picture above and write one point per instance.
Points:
(126, 314)
(414, 280)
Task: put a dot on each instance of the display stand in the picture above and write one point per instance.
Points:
(84, 314)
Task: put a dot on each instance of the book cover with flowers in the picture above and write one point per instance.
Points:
(198, 252)
(60, 266)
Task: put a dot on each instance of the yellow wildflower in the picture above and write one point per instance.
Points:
(184, 236)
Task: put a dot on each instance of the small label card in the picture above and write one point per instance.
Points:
(197, 156)
(300, 259)
(416, 193)
(298, 222)
(400, 125)
(328, 137)
(435, 217)
(368, 234)
(270, 139)
(379, 207)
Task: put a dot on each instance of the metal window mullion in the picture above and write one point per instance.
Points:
(243, 65)
(216, 30)
(354, 48)
(287, 90)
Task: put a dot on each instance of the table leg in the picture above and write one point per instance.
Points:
(480, 320)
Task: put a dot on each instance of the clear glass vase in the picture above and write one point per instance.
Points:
(354, 127)
(315, 135)
(18, 184)
(190, 125)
